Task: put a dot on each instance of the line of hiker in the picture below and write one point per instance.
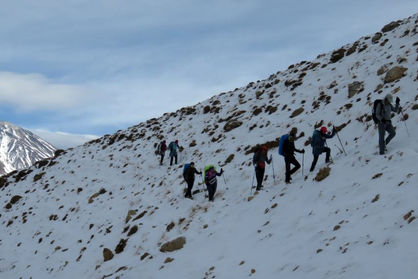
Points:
(173, 147)
(381, 115)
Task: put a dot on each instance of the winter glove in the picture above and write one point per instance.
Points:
(271, 157)
(398, 100)
(303, 150)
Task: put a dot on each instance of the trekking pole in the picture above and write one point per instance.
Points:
(404, 122)
(252, 184)
(340, 141)
(272, 165)
(303, 161)
(226, 185)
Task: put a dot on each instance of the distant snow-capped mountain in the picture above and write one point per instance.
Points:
(20, 148)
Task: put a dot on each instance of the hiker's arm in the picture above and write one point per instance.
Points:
(300, 150)
(396, 108)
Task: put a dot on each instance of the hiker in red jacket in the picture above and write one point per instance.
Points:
(259, 161)
(162, 147)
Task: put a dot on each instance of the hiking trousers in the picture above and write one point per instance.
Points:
(288, 161)
(171, 159)
(259, 174)
(327, 150)
(162, 158)
(211, 189)
(190, 183)
(385, 127)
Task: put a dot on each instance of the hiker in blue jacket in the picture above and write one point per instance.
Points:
(319, 139)
(173, 147)
(188, 175)
(289, 155)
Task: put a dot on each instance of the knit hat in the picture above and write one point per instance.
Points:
(389, 98)
(324, 129)
(293, 132)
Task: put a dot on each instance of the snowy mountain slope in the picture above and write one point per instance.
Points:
(19, 148)
(359, 222)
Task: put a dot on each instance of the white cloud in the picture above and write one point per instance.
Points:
(63, 140)
(104, 67)
(35, 92)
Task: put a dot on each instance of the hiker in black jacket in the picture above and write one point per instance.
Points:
(189, 177)
(289, 155)
(259, 161)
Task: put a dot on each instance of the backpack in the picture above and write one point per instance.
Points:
(376, 102)
(281, 143)
(209, 172)
(159, 148)
(186, 166)
(173, 147)
(314, 136)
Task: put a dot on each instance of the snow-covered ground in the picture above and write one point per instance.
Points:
(359, 222)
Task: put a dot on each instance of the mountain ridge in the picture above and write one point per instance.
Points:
(20, 148)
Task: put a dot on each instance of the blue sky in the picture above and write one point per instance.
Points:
(72, 70)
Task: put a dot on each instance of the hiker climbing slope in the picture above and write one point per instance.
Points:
(162, 147)
(188, 174)
(209, 176)
(259, 161)
(287, 148)
(319, 139)
(384, 109)
(173, 147)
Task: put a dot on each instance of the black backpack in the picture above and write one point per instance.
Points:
(376, 102)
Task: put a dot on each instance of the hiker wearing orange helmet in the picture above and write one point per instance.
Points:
(319, 139)
(259, 161)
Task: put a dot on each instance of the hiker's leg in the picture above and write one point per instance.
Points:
(259, 175)
(189, 189)
(296, 164)
(287, 165)
(391, 130)
(314, 162)
(381, 129)
(327, 150)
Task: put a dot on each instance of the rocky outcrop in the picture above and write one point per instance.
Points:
(173, 245)
(395, 74)
(354, 88)
(390, 26)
